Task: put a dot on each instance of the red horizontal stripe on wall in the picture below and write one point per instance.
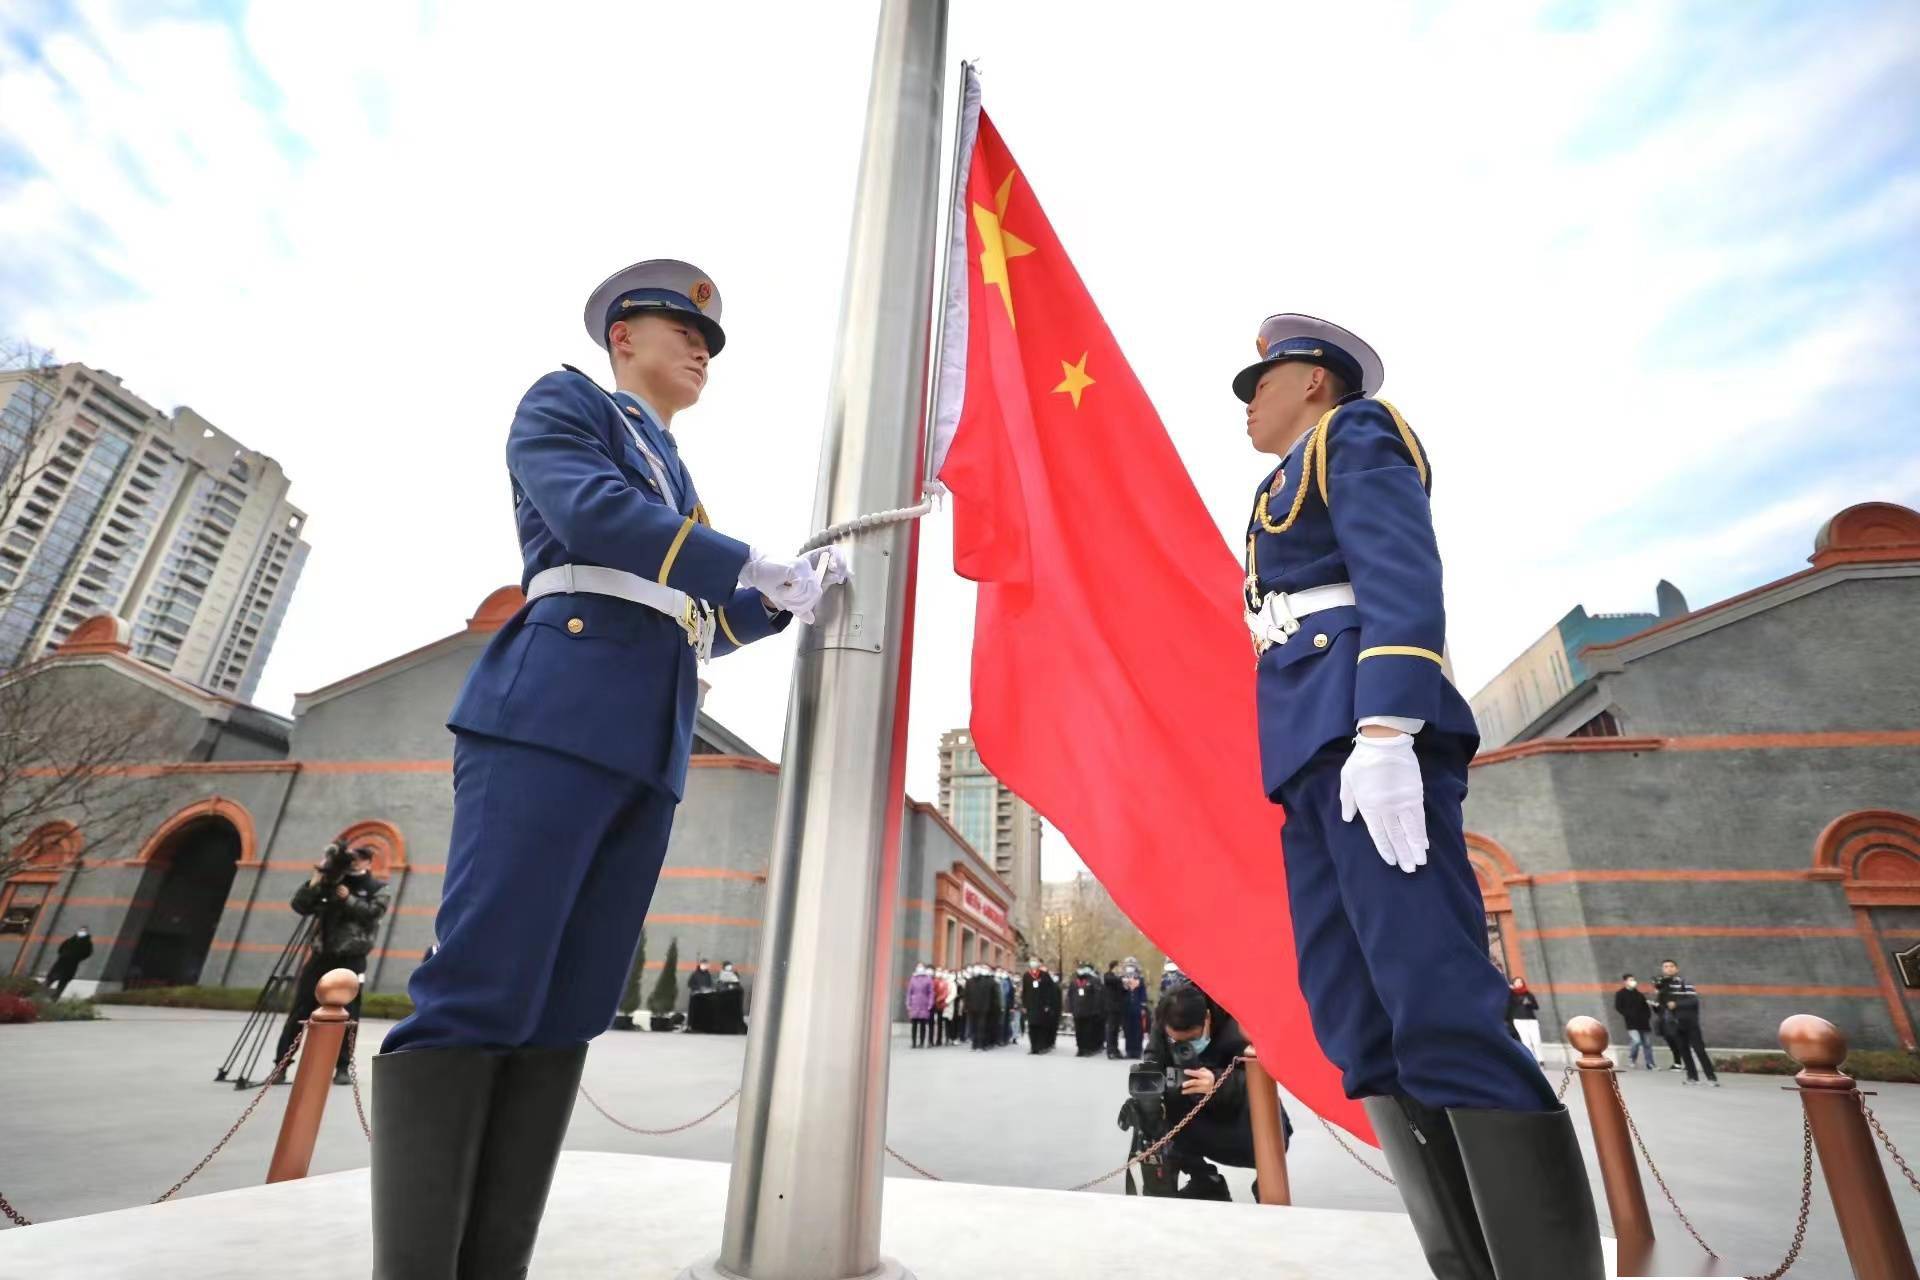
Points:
(710, 873)
(1727, 989)
(736, 922)
(1688, 931)
(1838, 739)
(1649, 875)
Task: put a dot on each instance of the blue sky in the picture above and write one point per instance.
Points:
(1646, 276)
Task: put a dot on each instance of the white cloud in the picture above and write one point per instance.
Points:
(352, 235)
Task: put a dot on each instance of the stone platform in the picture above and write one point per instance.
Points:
(647, 1217)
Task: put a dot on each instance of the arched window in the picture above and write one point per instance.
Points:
(388, 845)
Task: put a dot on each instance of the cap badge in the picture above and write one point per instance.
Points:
(702, 294)
(1260, 344)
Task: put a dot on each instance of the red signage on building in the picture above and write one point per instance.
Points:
(985, 908)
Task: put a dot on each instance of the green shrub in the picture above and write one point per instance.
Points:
(386, 1004)
(380, 1004)
(1895, 1066)
(67, 1011)
(630, 998)
(240, 998)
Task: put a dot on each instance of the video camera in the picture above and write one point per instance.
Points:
(337, 865)
(1144, 1114)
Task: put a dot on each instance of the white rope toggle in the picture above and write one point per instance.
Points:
(876, 520)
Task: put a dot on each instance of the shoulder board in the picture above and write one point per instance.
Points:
(1319, 443)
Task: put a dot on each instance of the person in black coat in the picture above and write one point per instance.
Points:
(67, 961)
(1043, 1008)
(1631, 1005)
(1084, 1000)
(983, 1008)
(1200, 1040)
(1681, 1005)
(1113, 1006)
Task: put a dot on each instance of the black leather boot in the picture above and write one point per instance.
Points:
(429, 1117)
(1420, 1149)
(525, 1128)
(1530, 1186)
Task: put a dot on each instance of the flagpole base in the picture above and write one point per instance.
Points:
(710, 1269)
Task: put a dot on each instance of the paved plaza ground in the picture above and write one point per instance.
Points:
(107, 1115)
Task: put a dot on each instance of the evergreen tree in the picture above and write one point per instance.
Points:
(666, 992)
(630, 998)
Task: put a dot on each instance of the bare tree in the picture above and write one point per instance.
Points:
(67, 755)
(1081, 921)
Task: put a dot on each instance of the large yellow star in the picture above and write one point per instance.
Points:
(997, 245)
(1076, 380)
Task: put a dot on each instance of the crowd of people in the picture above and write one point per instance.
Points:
(987, 1007)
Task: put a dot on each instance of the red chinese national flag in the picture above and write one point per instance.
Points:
(1113, 681)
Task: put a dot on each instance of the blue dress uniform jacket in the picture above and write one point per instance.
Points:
(604, 679)
(1394, 967)
(572, 733)
(1349, 504)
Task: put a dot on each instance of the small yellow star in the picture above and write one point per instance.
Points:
(1076, 380)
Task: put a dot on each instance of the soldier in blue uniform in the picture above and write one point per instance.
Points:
(1358, 720)
(570, 753)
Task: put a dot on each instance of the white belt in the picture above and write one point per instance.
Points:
(572, 579)
(1279, 614)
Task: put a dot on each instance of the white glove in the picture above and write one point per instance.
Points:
(793, 585)
(1381, 782)
(833, 566)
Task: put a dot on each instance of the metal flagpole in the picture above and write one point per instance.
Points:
(804, 1201)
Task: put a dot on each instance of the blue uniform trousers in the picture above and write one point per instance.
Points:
(1403, 996)
(552, 865)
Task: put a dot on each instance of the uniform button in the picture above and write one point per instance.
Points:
(576, 626)
(1320, 641)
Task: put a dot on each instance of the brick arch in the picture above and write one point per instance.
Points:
(1876, 853)
(1496, 871)
(233, 811)
(388, 845)
(49, 848)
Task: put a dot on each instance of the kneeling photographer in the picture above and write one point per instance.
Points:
(347, 903)
(1194, 1042)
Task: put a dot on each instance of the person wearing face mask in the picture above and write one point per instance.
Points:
(68, 959)
(950, 1008)
(347, 903)
(1136, 1012)
(920, 1006)
(572, 736)
(1523, 1016)
(1042, 997)
(1084, 1000)
(1365, 742)
(1198, 1040)
(699, 997)
(1633, 1009)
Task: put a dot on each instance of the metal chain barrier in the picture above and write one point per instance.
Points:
(353, 1077)
(659, 1133)
(1654, 1169)
(1144, 1156)
(1806, 1203)
(1559, 1093)
(1358, 1159)
(21, 1220)
(1887, 1142)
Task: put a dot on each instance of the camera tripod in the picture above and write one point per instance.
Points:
(276, 1000)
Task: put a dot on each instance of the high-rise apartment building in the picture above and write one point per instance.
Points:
(108, 505)
(1550, 668)
(1000, 826)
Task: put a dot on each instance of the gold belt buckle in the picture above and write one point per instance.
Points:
(690, 622)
